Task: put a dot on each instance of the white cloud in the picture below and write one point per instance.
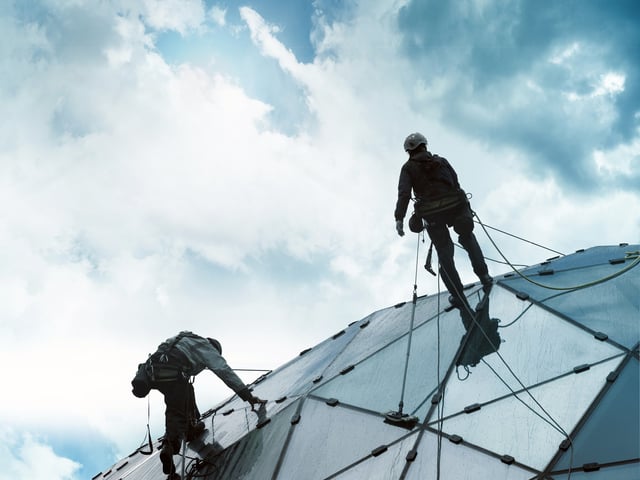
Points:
(178, 15)
(140, 198)
(218, 15)
(25, 456)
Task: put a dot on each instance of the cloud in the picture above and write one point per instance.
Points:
(140, 197)
(540, 78)
(25, 456)
(178, 15)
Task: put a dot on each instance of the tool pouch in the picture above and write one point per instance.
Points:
(141, 382)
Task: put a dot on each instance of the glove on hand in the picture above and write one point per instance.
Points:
(399, 228)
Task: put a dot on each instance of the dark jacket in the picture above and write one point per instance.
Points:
(199, 354)
(429, 176)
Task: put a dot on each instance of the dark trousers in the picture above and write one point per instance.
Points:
(181, 410)
(461, 219)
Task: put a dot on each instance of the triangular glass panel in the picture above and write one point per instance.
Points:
(255, 456)
(613, 472)
(386, 465)
(535, 346)
(440, 458)
(376, 383)
(521, 428)
(612, 431)
(328, 439)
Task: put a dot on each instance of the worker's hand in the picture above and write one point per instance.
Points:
(399, 228)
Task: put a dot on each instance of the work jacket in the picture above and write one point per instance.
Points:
(429, 176)
(198, 354)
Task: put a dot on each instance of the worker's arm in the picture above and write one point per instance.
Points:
(218, 365)
(404, 197)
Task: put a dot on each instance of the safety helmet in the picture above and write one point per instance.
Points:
(413, 141)
(216, 344)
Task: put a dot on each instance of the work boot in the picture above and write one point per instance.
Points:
(195, 431)
(166, 457)
(487, 282)
(459, 303)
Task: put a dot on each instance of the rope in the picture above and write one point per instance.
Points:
(148, 434)
(440, 407)
(550, 287)
(520, 238)
(413, 314)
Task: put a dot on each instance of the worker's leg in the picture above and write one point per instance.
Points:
(177, 413)
(463, 225)
(439, 234)
(195, 427)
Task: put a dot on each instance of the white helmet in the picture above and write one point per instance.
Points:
(413, 141)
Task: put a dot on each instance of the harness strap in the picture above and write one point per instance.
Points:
(448, 201)
(168, 364)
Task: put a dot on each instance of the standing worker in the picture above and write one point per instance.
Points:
(169, 370)
(440, 203)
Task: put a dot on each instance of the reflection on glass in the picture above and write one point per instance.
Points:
(481, 338)
(612, 431)
(536, 346)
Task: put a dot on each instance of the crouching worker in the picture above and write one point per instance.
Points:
(169, 370)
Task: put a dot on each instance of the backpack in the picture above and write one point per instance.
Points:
(167, 364)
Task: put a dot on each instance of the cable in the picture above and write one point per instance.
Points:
(413, 314)
(520, 238)
(148, 434)
(250, 370)
(440, 407)
(552, 422)
(550, 287)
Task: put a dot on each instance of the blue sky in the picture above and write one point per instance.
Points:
(231, 168)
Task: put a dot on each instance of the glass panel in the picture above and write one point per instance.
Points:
(384, 327)
(296, 377)
(509, 427)
(253, 457)
(376, 383)
(536, 346)
(387, 465)
(328, 439)
(612, 432)
(620, 472)
(579, 264)
(612, 307)
(459, 462)
(613, 303)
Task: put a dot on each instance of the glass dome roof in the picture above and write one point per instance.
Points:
(544, 384)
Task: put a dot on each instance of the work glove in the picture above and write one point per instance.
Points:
(399, 228)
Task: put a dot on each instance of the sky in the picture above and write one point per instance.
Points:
(231, 168)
